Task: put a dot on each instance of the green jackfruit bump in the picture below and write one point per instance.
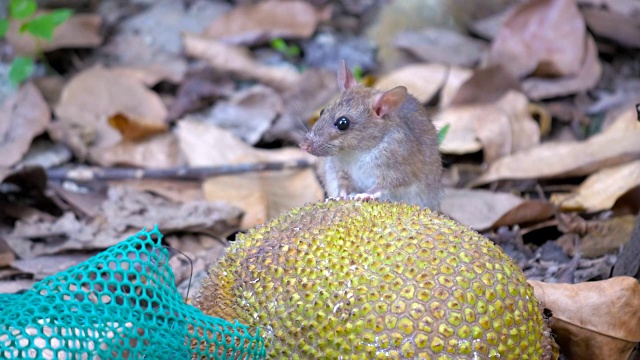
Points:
(370, 280)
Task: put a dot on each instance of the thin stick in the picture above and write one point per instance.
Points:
(179, 173)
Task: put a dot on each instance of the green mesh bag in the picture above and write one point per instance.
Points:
(120, 304)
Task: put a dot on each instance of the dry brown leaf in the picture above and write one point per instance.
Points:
(314, 90)
(84, 108)
(616, 145)
(248, 113)
(614, 26)
(602, 237)
(238, 61)
(601, 190)
(13, 286)
(159, 151)
(23, 116)
(486, 85)
(598, 320)
(489, 27)
(483, 209)
(79, 31)
(44, 266)
(424, 80)
(442, 46)
(261, 195)
(6, 255)
(542, 37)
(134, 129)
(258, 23)
(585, 79)
(501, 128)
(627, 7)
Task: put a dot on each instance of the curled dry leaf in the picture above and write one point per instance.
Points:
(486, 85)
(258, 23)
(425, 80)
(629, 7)
(248, 113)
(238, 61)
(44, 266)
(616, 145)
(84, 108)
(79, 31)
(502, 128)
(133, 129)
(601, 237)
(442, 46)
(23, 116)
(597, 320)
(601, 190)
(621, 29)
(483, 209)
(586, 78)
(542, 37)
(260, 195)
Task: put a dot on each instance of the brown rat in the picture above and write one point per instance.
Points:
(378, 144)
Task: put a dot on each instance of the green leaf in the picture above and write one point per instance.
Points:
(21, 69)
(279, 45)
(44, 25)
(357, 73)
(443, 132)
(4, 26)
(20, 9)
(293, 50)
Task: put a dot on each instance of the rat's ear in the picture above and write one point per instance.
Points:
(389, 100)
(345, 77)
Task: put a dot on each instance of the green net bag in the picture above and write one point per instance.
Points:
(120, 304)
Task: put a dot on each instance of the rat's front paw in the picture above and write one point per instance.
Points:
(337, 198)
(366, 196)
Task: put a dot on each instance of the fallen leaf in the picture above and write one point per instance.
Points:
(6, 255)
(425, 80)
(600, 190)
(84, 108)
(502, 128)
(442, 46)
(489, 27)
(122, 214)
(159, 151)
(44, 266)
(603, 237)
(614, 26)
(595, 320)
(314, 90)
(486, 85)
(13, 286)
(199, 90)
(79, 31)
(587, 77)
(145, 50)
(541, 37)
(616, 145)
(238, 61)
(23, 116)
(483, 209)
(628, 7)
(248, 113)
(261, 195)
(258, 23)
(133, 129)
(176, 191)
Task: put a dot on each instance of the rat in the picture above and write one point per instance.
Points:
(378, 145)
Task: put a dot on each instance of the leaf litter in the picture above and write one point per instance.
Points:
(541, 153)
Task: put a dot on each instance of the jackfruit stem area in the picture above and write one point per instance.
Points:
(369, 280)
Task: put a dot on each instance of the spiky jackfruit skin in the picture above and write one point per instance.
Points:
(369, 280)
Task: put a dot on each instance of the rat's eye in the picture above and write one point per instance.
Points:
(321, 112)
(342, 123)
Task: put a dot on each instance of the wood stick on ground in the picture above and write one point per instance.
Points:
(178, 173)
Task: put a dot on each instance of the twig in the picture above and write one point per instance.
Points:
(179, 173)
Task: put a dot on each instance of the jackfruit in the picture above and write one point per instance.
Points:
(372, 280)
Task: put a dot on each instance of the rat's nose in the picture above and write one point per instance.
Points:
(306, 145)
